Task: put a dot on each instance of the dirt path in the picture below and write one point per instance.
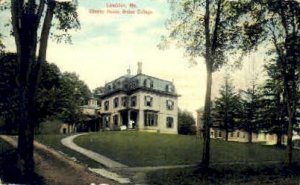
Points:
(58, 170)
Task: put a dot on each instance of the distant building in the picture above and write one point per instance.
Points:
(238, 135)
(140, 102)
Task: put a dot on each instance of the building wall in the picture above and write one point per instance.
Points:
(158, 105)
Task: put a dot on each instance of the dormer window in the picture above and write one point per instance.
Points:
(148, 101)
(169, 88)
(151, 84)
(148, 83)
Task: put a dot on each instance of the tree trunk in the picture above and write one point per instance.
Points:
(250, 137)
(226, 134)
(207, 120)
(279, 140)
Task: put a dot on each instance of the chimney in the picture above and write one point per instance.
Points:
(139, 71)
(128, 71)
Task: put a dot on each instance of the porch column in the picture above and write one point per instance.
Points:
(129, 125)
(120, 120)
(140, 123)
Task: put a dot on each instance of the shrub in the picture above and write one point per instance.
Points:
(50, 127)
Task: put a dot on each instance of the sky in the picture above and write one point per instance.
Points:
(108, 44)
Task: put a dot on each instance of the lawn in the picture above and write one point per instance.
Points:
(150, 149)
(53, 141)
(238, 174)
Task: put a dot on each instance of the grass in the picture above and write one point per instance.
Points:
(150, 149)
(53, 141)
(238, 174)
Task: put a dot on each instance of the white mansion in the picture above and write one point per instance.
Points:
(139, 102)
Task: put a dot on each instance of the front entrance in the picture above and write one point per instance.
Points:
(129, 118)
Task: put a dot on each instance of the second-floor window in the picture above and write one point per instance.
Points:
(106, 105)
(133, 101)
(148, 101)
(124, 101)
(116, 102)
(170, 104)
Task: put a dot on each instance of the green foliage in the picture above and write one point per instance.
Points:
(73, 94)
(227, 109)
(187, 27)
(66, 18)
(50, 127)
(58, 95)
(273, 104)
(8, 91)
(186, 123)
(251, 115)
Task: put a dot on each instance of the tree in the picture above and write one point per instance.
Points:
(251, 110)
(227, 107)
(277, 23)
(8, 91)
(186, 123)
(49, 92)
(27, 17)
(273, 103)
(206, 29)
(73, 93)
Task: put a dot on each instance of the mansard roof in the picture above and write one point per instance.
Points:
(129, 84)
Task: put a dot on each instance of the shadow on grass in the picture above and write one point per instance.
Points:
(234, 174)
(9, 173)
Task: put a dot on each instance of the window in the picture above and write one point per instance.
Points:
(106, 105)
(220, 134)
(170, 122)
(124, 101)
(151, 84)
(231, 134)
(169, 88)
(150, 119)
(170, 104)
(211, 134)
(148, 101)
(106, 120)
(148, 83)
(133, 101)
(116, 102)
(238, 134)
(116, 120)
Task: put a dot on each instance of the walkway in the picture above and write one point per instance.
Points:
(68, 142)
